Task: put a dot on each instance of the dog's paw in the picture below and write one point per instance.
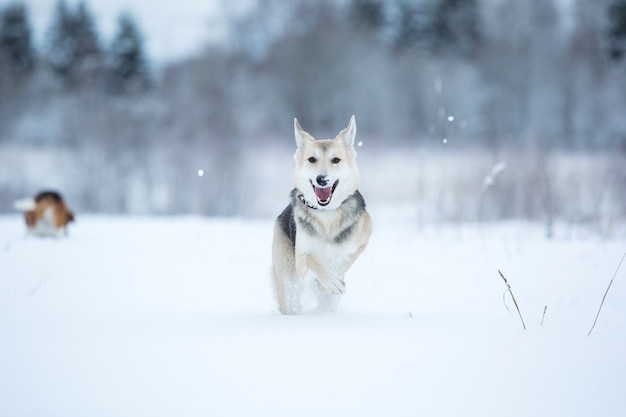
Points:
(332, 285)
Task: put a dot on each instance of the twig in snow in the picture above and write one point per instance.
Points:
(508, 289)
(544, 314)
(605, 293)
(33, 289)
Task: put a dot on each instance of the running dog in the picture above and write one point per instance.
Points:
(46, 214)
(324, 228)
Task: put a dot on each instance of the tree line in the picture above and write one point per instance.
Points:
(510, 73)
(443, 74)
(73, 50)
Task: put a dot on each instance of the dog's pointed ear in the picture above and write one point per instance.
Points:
(301, 135)
(348, 134)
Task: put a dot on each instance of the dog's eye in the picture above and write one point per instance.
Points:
(335, 160)
(312, 160)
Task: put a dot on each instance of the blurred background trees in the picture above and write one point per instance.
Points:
(74, 51)
(616, 30)
(17, 53)
(17, 59)
(500, 79)
(128, 64)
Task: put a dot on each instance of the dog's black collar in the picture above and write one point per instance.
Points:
(306, 203)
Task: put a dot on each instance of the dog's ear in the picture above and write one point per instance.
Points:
(348, 134)
(301, 135)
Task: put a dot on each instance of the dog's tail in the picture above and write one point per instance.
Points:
(24, 204)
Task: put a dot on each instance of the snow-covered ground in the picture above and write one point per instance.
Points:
(162, 316)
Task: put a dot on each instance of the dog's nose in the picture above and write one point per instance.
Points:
(322, 180)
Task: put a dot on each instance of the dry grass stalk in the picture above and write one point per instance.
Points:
(605, 293)
(508, 289)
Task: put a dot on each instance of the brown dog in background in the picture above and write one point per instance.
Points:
(46, 214)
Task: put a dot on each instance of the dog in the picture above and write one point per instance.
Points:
(325, 227)
(46, 214)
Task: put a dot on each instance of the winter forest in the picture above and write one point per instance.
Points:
(467, 110)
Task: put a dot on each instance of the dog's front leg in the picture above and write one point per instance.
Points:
(351, 259)
(328, 280)
(363, 237)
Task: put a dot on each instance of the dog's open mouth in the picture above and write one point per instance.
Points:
(324, 194)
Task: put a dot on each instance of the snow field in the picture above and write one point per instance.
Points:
(161, 316)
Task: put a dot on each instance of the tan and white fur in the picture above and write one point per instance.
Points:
(324, 228)
(46, 214)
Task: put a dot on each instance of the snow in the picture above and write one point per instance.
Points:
(163, 316)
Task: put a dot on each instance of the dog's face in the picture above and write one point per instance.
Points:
(326, 172)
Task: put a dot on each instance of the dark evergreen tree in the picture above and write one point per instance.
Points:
(455, 26)
(60, 50)
(436, 26)
(17, 56)
(410, 27)
(128, 66)
(74, 50)
(367, 13)
(617, 29)
(88, 48)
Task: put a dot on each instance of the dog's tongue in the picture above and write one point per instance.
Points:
(323, 194)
